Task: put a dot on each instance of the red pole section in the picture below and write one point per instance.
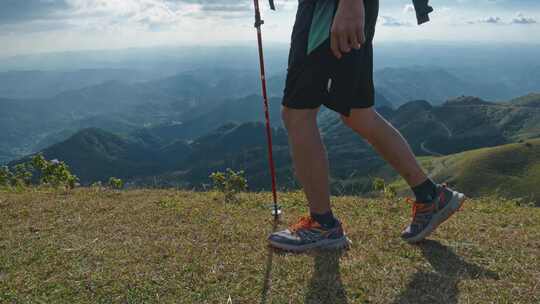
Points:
(258, 23)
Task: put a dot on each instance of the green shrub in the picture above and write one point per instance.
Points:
(22, 175)
(229, 183)
(5, 176)
(53, 172)
(116, 183)
(380, 186)
(97, 184)
(390, 192)
(19, 176)
(38, 171)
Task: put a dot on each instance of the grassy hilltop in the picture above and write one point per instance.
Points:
(166, 246)
(511, 171)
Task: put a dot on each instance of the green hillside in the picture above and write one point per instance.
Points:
(149, 246)
(31, 124)
(95, 155)
(240, 110)
(511, 171)
(185, 153)
(238, 146)
(530, 100)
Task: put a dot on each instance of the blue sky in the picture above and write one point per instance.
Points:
(28, 26)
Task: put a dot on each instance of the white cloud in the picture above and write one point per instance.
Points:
(487, 20)
(391, 21)
(31, 25)
(408, 8)
(522, 19)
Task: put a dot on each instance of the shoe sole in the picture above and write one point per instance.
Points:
(326, 244)
(457, 201)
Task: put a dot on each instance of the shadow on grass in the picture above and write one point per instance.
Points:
(267, 273)
(441, 286)
(325, 285)
(268, 270)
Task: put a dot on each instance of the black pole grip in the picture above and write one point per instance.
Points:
(272, 5)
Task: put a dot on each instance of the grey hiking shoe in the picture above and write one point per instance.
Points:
(308, 234)
(427, 217)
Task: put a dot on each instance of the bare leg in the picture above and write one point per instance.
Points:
(309, 156)
(388, 142)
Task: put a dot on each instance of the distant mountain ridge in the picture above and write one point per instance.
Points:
(121, 107)
(437, 85)
(184, 106)
(95, 154)
(46, 84)
(146, 155)
(530, 100)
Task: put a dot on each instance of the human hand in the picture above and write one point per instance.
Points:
(348, 28)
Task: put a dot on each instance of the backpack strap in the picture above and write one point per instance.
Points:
(272, 5)
(422, 9)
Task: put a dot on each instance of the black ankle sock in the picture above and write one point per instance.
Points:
(425, 192)
(327, 220)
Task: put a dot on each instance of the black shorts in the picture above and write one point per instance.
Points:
(319, 78)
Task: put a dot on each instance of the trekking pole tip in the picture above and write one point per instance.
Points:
(277, 211)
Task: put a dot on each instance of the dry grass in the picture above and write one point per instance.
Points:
(149, 246)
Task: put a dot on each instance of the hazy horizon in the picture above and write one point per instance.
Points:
(37, 26)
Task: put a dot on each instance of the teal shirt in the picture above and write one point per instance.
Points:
(321, 23)
(324, 15)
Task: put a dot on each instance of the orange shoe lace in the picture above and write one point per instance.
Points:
(413, 203)
(415, 206)
(304, 222)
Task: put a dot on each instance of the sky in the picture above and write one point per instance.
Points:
(35, 26)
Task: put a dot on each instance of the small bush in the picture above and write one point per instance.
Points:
(22, 175)
(229, 183)
(38, 171)
(5, 176)
(380, 186)
(19, 176)
(116, 183)
(97, 184)
(390, 192)
(53, 173)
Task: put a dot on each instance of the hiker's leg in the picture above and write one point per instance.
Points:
(434, 203)
(309, 156)
(306, 89)
(321, 229)
(388, 142)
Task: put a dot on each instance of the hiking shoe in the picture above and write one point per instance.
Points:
(308, 234)
(427, 217)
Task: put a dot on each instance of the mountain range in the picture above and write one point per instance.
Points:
(174, 119)
(44, 108)
(151, 156)
(31, 124)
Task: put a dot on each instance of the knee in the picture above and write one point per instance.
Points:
(362, 121)
(294, 119)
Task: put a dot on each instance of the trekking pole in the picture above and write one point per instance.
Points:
(276, 209)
